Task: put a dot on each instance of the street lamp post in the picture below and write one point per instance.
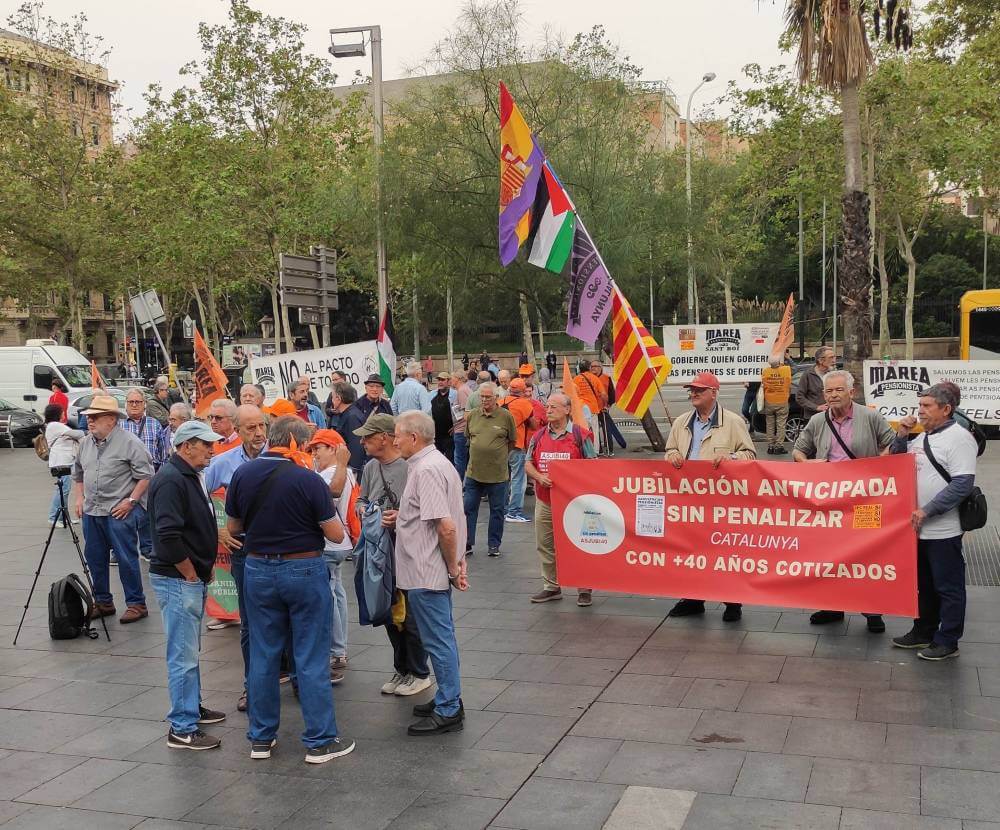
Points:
(706, 78)
(357, 50)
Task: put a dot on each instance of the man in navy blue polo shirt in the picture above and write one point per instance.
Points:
(286, 513)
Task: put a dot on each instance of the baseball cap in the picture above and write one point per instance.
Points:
(190, 430)
(379, 422)
(517, 385)
(526, 370)
(330, 437)
(375, 379)
(443, 376)
(280, 407)
(706, 380)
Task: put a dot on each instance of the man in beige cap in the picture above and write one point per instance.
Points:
(112, 472)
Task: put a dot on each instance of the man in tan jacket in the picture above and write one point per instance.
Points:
(707, 433)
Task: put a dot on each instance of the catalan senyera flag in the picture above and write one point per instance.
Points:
(209, 379)
(96, 381)
(786, 331)
(640, 367)
(520, 169)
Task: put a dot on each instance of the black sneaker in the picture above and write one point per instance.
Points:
(936, 651)
(206, 716)
(261, 749)
(423, 710)
(327, 752)
(196, 740)
(876, 625)
(825, 617)
(733, 612)
(493, 552)
(911, 639)
(435, 724)
(687, 608)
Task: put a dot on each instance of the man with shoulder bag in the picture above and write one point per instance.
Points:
(950, 504)
(842, 431)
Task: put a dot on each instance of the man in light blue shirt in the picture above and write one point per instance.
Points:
(411, 394)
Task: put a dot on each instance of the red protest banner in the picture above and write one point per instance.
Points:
(794, 535)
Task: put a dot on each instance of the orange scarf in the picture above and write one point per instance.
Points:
(300, 457)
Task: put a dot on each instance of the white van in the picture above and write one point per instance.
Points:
(27, 372)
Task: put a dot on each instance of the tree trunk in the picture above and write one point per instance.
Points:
(314, 335)
(727, 287)
(905, 247)
(287, 326)
(276, 316)
(883, 314)
(854, 276)
(450, 322)
(211, 323)
(202, 313)
(529, 341)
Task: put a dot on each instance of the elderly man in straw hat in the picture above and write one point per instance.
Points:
(111, 473)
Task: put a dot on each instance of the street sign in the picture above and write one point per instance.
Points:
(312, 316)
(309, 281)
(147, 309)
(187, 327)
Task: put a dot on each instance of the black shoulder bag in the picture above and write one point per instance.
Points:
(836, 434)
(972, 509)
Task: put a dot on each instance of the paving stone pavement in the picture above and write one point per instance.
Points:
(611, 716)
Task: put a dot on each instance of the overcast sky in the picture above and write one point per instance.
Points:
(673, 40)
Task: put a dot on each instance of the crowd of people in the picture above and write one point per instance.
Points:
(305, 484)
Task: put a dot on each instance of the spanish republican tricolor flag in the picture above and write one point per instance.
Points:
(641, 367)
(520, 170)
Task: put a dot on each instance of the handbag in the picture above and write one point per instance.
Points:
(972, 511)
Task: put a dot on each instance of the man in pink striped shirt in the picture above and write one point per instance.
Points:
(430, 561)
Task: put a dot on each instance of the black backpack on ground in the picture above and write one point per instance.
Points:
(70, 607)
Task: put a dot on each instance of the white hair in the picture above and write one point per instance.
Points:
(487, 387)
(418, 422)
(182, 410)
(226, 405)
(847, 376)
(412, 369)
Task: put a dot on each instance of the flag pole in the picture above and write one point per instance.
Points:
(617, 290)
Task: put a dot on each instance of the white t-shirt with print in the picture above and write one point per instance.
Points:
(954, 449)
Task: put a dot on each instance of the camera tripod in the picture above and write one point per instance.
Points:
(62, 515)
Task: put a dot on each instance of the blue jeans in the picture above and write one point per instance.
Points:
(65, 482)
(941, 590)
(432, 612)
(237, 566)
(472, 492)
(461, 453)
(142, 527)
(515, 494)
(293, 596)
(101, 534)
(338, 636)
(182, 605)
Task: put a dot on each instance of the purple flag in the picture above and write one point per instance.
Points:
(590, 289)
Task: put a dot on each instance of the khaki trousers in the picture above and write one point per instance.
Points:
(775, 416)
(546, 545)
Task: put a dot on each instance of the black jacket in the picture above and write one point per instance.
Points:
(181, 520)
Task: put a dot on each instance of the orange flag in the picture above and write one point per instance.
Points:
(786, 331)
(569, 388)
(96, 381)
(209, 379)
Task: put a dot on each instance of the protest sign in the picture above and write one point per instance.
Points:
(735, 353)
(276, 372)
(793, 535)
(222, 601)
(239, 354)
(893, 387)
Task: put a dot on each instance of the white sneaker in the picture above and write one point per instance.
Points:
(390, 687)
(413, 685)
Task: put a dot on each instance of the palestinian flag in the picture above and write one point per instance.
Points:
(387, 352)
(552, 221)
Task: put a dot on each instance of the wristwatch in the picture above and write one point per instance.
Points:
(132, 501)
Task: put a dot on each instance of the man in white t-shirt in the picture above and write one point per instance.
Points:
(940, 564)
(332, 457)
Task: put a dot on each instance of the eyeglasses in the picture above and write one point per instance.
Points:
(696, 390)
(134, 403)
(217, 417)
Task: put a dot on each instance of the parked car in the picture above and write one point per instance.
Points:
(24, 424)
(154, 408)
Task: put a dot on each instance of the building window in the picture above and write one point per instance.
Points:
(72, 92)
(93, 99)
(95, 135)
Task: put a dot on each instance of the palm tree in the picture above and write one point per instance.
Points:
(834, 53)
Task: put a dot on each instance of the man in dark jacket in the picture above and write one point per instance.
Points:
(185, 541)
(809, 393)
(355, 416)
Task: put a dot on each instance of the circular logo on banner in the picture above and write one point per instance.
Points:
(594, 524)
